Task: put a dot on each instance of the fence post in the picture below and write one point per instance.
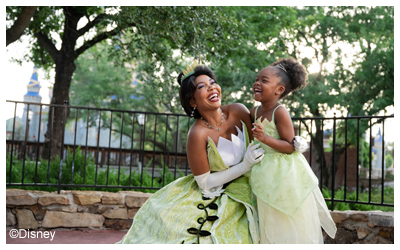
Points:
(333, 161)
(62, 147)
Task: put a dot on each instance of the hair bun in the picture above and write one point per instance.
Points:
(179, 78)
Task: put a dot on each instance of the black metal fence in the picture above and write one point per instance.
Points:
(110, 148)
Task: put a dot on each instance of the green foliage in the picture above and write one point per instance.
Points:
(363, 197)
(388, 160)
(84, 172)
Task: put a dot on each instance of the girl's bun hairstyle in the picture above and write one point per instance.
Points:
(293, 76)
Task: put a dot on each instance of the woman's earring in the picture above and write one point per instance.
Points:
(192, 114)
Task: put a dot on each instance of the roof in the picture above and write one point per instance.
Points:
(34, 79)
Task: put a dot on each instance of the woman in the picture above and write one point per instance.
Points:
(214, 205)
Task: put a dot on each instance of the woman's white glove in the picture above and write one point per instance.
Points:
(211, 184)
(300, 144)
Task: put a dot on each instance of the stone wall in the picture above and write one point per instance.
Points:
(104, 210)
(362, 227)
(72, 209)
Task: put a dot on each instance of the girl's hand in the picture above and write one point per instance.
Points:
(258, 132)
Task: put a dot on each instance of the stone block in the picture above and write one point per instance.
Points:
(375, 239)
(26, 220)
(353, 225)
(118, 224)
(54, 219)
(103, 208)
(62, 208)
(17, 197)
(10, 218)
(49, 199)
(120, 213)
(92, 209)
(136, 200)
(338, 216)
(86, 197)
(362, 232)
(111, 198)
(382, 219)
(38, 211)
(132, 212)
(344, 236)
(384, 233)
(359, 216)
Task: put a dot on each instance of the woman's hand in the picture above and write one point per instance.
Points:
(258, 133)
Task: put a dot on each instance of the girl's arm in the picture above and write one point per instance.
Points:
(285, 129)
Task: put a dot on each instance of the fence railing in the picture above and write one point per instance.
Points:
(144, 150)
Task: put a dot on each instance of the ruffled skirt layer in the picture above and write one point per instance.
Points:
(170, 212)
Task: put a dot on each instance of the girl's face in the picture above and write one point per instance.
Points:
(266, 86)
(207, 94)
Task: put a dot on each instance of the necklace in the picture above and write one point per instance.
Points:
(216, 125)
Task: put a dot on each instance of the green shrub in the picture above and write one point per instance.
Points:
(363, 197)
(84, 172)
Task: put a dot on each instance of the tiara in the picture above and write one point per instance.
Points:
(189, 70)
(281, 67)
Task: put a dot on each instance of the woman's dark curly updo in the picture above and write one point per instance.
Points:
(187, 89)
(295, 78)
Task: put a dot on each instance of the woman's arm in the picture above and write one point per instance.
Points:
(196, 149)
(285, 129)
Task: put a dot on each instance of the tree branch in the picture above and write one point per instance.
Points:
(46, 43)
(91, 24)
(24, 18)
(95, 40)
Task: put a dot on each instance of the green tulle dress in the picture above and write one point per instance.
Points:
(290, 206)
(178, 213)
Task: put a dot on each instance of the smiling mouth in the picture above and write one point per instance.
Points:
(213, 97)
(257, 91)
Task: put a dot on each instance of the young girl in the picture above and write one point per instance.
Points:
(290, 205)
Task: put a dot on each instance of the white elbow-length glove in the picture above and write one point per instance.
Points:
(300, 144)
(212, 183)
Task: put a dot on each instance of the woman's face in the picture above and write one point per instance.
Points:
(207, 94)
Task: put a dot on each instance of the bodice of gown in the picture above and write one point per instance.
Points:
(228, 152)
(232, 152)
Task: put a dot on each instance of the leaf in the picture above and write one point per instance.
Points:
(193, 230)
(212, 218)
(213, 206)
(204, 233)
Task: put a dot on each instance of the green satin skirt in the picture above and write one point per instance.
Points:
(178, 214)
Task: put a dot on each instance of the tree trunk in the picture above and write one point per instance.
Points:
(58, 115)
(318, 153)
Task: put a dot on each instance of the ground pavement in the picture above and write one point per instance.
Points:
(16, 236)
